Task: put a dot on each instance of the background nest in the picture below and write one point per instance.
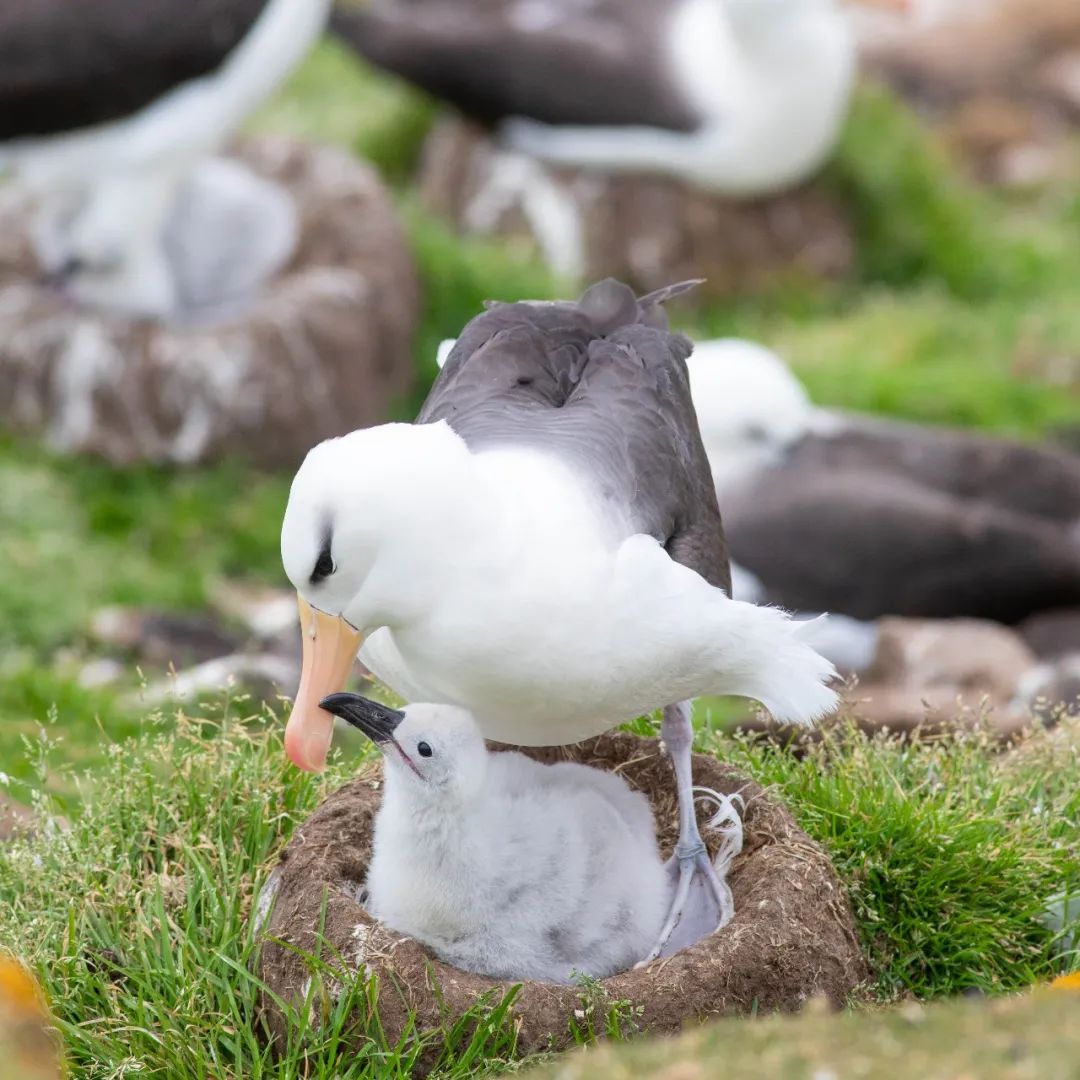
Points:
(647, 231)
(325, 348)
(792, 937)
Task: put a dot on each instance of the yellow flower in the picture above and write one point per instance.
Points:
(27, 1047)
(1067, 982)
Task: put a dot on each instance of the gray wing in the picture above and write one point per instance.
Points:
(867, 543)
(603, 385)
(69, 64)
(598, 63)
(1026, 479)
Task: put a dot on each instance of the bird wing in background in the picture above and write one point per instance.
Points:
(601, 384)
(554, 61)
(67, 65)
(867, 543)
(1024, 479)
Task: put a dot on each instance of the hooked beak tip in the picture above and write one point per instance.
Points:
(375, 720)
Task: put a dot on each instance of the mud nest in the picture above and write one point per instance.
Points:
(323, 349)
(792, 936)
(647, 231)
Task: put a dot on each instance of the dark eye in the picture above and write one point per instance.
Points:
(423, 749)
(324, 567)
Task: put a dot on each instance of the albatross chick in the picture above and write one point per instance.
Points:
(502, 865)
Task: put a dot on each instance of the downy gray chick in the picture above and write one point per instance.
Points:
(501, 865)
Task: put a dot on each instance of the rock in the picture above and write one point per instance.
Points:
(1052, 634)
(646, 231)
(17, 819)
(937, 676)
(267, 613)
(164, 637)
(324, 349)
(264, 676)
(972, 657)
(1052, 690)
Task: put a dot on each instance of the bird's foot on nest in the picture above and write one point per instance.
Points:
(702, 902)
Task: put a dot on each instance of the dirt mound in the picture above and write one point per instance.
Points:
(324, 349)
(792, 937)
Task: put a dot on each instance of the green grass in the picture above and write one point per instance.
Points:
(335, 98)
(950, 861)
(1032, 1036)
(136, 920)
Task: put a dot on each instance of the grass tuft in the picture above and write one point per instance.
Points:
(950, 860)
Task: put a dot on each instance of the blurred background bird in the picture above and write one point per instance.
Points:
(739, 97)
(110, 113)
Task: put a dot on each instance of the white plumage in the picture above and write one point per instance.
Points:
(496, 581)
(511, 868)
(771, 79)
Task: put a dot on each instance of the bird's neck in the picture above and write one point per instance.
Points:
(426, 821)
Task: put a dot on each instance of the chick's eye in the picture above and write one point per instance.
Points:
(423, 749)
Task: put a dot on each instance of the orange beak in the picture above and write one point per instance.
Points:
(330, 647)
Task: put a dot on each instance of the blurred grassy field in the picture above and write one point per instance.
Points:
(1033, 1036)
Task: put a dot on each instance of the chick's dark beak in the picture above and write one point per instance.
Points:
(376, 721)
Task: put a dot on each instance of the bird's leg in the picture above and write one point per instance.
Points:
(702, 900)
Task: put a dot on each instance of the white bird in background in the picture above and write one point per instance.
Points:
(739, 97)
(109, 108)
(500, 864)
(826, 510)
(542, 547)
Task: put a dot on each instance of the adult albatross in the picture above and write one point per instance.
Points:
(543, 547)
(107, 109)
(833, 511)
(739, 97)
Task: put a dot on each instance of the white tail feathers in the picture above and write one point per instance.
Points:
(783, 671)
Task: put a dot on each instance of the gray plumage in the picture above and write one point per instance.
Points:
(833, 511)
(905, 520)
(603, 384)
(555, 61)
(505, 866)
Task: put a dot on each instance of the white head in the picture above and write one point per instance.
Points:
(357, 501)
(370, 521)
(751, 409)
(432, 752)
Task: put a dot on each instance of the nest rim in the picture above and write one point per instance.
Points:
(780, 876)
